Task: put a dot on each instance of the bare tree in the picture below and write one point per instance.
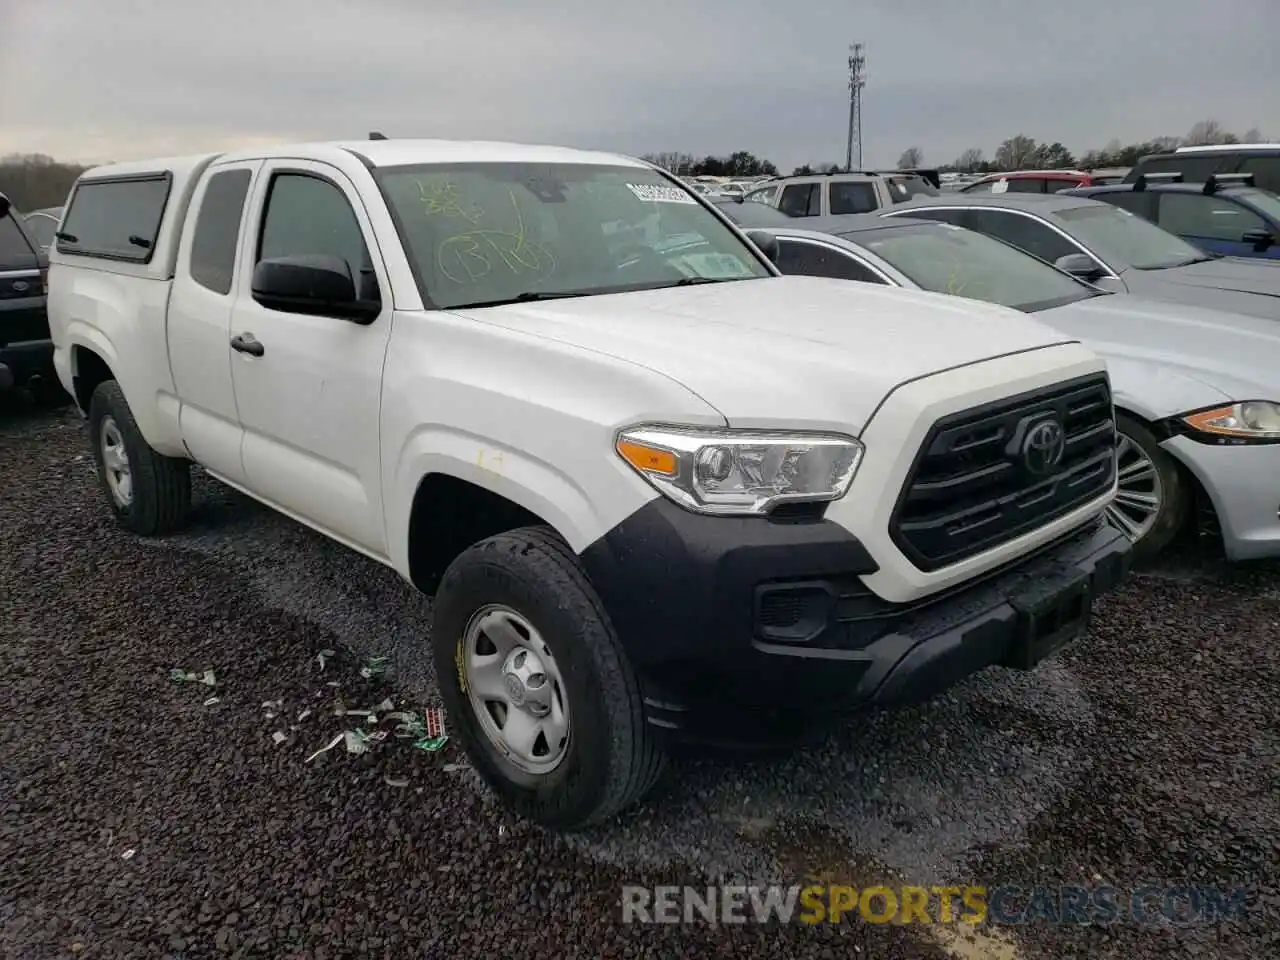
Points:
(970, 160)
(911, 158)
(32, 181)
(1206, 132)
(1016, 153)
(671, 161)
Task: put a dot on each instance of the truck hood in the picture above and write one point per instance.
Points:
(1237, 356)
(783, 351)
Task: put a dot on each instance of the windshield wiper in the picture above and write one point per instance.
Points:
(533, 296)
(694, 281)
(529, 296)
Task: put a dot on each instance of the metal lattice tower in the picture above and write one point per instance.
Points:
(857, 80)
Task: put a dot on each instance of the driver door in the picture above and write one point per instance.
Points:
(308, 394)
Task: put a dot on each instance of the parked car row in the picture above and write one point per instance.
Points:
(1172, 367)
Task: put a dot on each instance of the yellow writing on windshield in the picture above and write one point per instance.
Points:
(471, 255)
(441, 198)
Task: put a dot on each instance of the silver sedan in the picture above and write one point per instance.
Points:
(1197, 392)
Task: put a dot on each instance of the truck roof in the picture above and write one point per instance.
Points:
(376, 153)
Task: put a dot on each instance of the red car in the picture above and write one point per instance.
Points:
(1035, 181)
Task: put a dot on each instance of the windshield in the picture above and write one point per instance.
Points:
(945, 258)
(1268, 203)
(753, 216)
(903, 189)
(489, 233)
(1124, 239)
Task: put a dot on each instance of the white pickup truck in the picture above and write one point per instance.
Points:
(657, 489)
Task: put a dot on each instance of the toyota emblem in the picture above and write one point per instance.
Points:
(20, 285)
(1043, 447)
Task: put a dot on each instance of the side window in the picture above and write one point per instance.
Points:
(14, 246)
(1022, 232)
(802, 200)
(984, 186)
(1197, 215)
(1027, 185)
(1265, 170)
(116, 219)
(1142, 203)
(309, 215)
(847, 197)
(812, 260)
(213, 247)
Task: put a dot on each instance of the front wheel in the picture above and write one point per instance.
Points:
(1151, 500)
(536, 683)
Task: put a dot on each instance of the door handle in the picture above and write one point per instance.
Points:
(244, 343)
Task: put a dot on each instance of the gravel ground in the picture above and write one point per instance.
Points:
(141, 821)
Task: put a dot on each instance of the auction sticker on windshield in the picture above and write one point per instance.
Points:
(654, 193)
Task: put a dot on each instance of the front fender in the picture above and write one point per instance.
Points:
(1155, 392)
(536, 485)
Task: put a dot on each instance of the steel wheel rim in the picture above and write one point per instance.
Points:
(115, 463)
(1139, 493)
(515, 689)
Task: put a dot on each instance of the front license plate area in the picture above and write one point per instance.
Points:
(1050, 615)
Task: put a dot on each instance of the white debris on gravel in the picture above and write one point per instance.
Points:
(190, 676)
(913, 790)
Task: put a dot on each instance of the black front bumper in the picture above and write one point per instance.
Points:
(738, 626)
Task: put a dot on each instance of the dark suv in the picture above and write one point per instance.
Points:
(1225, 215)
(1197, 163)
(25, 348)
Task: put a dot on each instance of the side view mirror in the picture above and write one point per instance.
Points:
(767, 243)
(1079, 265)
(313, 284)
(5, 206)
(1260, 239)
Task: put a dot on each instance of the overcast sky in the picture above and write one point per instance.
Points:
(121, 79)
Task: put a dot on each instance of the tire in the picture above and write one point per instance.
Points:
(159, 486)
(1168, 484)
(611, 757)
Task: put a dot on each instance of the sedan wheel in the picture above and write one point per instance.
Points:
(1150, 506)
(1137, 503)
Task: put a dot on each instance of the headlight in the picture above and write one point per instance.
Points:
(740, 472)
(1249, 420)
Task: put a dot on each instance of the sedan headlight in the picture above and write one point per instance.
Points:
(739, 472)
(1247, 420)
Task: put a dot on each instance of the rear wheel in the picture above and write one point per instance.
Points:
(149, 493)
(1152, 497)
(536, 684)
